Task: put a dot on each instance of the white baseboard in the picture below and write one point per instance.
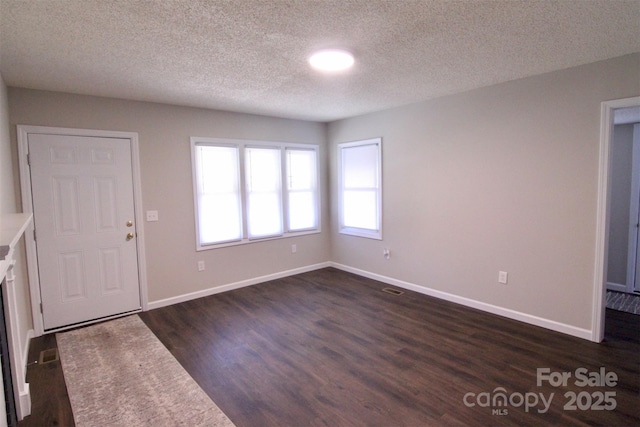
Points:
(236, 285)
(24, 392)
(493, 309)
(25, 401)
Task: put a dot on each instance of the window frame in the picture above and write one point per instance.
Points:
(241, 145)
(355, 231)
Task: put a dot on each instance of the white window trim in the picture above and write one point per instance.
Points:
(242, 144)
(353, 231)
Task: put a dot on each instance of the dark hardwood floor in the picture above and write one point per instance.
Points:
(328, 348)
(49, 399)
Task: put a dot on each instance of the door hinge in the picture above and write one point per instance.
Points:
(34, 235)
(28, 159)
(41, 308)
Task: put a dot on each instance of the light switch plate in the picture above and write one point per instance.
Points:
(502, 277)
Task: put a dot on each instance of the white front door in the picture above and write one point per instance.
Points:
(83, 209)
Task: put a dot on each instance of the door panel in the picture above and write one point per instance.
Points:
(71, 270)
(83, 205)
(66, 209)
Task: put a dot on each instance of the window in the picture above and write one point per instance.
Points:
(218, 193)
(248, 190)
(264, 192)
(360, 188)
(302, 189)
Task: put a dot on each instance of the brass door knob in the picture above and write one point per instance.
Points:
(129, 236)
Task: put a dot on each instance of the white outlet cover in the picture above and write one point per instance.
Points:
(502, 277)
(152, 216)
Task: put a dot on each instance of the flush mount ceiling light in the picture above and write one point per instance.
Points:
(331, 60)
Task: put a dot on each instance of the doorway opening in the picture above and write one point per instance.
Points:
(604, 215)
(623, 269)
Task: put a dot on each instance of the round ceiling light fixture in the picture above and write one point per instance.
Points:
(331, 60)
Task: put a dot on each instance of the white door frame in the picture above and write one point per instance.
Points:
(602, 220)
(27, 207)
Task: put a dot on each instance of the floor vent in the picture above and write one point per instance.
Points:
(392, 291)
(48, 356)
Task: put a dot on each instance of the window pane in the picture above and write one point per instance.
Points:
(302, 210)
(264, 196)
(263, 169)
(264, 215)
(219, 219)
(302, 189)
(301, 169)
(360, 209)
(218, 169)
(360, 166)
(217, 176)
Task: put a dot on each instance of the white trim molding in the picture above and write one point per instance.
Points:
(489, 308)
(27, 207)
(12, 229)
(18, 350)
(236, 285)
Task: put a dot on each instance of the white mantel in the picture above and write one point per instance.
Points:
(12, 228)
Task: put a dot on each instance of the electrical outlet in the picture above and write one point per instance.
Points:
(294, 249)
(386, 253)
(201, 266)
(152, 216)
(502, 277)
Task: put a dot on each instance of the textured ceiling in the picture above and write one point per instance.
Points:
(250, 55)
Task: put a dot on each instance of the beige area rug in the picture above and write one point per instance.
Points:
(119, 374)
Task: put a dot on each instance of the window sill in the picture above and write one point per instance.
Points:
(251, 241)
(361, 232)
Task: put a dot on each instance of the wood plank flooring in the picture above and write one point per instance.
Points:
(49, 399)
(328, 348)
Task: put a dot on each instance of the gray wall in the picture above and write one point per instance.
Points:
(7, 189)
(164, 133)
(499, 178)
